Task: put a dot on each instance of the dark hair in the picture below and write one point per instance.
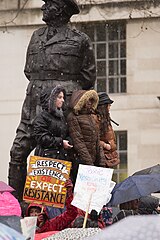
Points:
(104, 118)
(94, 219)
(130, 205)
(94, 215)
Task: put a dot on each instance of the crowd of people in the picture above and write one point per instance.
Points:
(79, 137)
(76, 137)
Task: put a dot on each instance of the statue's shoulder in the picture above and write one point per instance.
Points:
(79, 33)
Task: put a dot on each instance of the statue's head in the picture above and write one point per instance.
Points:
(54, 9)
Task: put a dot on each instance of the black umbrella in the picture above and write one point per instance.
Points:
(135, 187)
(150, 170)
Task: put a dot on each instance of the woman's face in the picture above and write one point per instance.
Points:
(89, 103)
(108, 107)
(158, 209)
(34, 211)
(60, 100)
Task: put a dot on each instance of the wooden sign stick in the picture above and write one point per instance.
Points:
(42, 208)
(86, 214)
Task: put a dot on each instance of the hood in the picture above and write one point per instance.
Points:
(37, 205)
(80, 97)
(44, 97)
(148, 204)
(48, 98)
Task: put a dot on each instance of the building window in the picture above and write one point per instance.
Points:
(109, 41)
(120, 172)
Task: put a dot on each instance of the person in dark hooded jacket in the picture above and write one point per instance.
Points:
(83, 128)
(129, 208)
(149, 205)
(50, 127)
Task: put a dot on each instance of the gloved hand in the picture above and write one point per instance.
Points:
(69, 186)
(40, 219)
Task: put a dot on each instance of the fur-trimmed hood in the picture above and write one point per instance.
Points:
(80, 97)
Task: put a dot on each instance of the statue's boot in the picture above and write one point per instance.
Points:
(17, 178)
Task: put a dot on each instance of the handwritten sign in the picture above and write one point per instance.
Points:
(45, 181)
(28, 226)
(92, 184)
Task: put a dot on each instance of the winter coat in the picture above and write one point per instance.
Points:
(60, 222)
(50, 127)
(83, 129)
(112, 158)
(107, 135)
(123, 214)
(81, 213)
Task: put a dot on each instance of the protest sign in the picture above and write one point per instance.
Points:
(92, 187)
(45, 181)
(28, 226)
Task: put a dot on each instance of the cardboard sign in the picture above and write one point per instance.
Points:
(28, 226)
(92, 187)
(45, 181)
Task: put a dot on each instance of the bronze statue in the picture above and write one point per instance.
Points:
(56, 55)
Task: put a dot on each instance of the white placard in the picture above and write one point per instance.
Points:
(92, 183)
(28, 226)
